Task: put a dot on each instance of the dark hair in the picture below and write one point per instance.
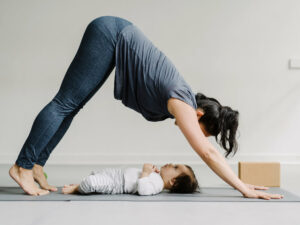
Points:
(218, 119)
(185, 183)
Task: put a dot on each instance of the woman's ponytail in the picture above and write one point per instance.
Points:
(218, 119)
(229, 124)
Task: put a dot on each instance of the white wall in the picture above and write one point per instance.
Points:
(236, 51)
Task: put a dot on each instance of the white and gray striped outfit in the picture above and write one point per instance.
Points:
(121, 180)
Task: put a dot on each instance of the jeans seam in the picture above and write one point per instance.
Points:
(43, 133)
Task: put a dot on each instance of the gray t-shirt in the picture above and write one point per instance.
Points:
(145, 78)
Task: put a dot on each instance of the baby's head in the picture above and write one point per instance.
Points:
(179, 178)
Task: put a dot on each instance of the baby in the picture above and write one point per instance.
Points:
(178, 178)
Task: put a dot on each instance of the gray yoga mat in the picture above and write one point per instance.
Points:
(208, 194)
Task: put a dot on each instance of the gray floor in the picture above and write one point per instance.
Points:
(144, 213)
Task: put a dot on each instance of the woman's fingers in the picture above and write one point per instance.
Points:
(264, 195)
(269, 196)
(277, 196)
(261, 187)
(274, 196)
(256, 187)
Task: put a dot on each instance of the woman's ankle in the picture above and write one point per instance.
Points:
(38, 165)
(21, 169)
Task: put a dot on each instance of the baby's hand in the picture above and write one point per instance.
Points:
(149, 168)
(155, 169)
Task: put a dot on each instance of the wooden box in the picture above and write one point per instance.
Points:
(260, 173)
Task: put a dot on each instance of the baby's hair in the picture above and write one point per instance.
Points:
(184, 183)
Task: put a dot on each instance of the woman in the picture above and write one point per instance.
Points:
(145, 81)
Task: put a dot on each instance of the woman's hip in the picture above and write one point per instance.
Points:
(109, 27)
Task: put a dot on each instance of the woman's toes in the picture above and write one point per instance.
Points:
(43, 192)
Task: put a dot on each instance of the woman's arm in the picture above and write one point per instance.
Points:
(187, 121)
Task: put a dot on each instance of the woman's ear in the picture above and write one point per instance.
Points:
(199, 113)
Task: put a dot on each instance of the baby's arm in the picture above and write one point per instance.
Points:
(148, 169)
(150, 182)
(150, 185)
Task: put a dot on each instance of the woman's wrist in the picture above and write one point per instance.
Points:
(243, 188)
(219, 165)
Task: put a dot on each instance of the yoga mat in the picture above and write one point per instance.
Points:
(208, 194)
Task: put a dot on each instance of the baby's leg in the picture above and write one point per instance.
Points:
(107, 181)
(70, 189)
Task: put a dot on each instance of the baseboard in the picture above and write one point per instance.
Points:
(133, 158)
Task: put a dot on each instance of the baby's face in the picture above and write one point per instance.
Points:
(170, 171)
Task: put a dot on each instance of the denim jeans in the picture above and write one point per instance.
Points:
(91, 66)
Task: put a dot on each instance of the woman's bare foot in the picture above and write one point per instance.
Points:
(38, 176)
(70, 189)
(24, 178)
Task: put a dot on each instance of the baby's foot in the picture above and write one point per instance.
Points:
(39, 177)
(70, 189)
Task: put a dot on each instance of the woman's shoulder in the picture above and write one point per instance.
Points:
(171, 104)
(176, 102)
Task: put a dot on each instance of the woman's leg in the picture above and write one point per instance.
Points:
(44, 155)
(120, 23)
(91, 66)
(38, 173)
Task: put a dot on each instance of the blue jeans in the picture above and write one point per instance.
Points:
(91, 66)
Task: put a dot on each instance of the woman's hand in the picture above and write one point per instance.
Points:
(251, 193)
(255, 187)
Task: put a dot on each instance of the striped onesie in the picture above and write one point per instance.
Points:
(121, 181)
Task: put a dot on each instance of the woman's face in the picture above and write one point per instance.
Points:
(200, 113)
